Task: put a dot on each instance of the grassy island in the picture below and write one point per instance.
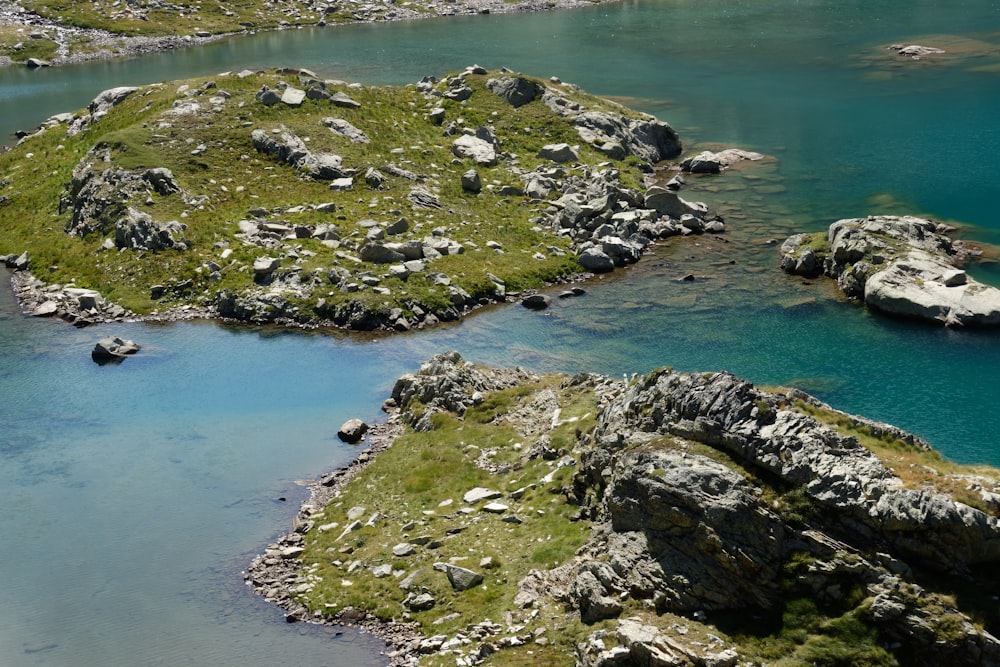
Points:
(280, 196)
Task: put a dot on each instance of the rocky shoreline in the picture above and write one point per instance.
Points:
(273, 573)
(104, 45)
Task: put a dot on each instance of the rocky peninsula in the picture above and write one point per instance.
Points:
(505, 517)
(282, 197)
(900, 265)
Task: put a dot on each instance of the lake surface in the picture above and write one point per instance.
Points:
(135, 494)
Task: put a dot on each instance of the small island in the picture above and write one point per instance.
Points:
(505, 517)
(282, 197)
(900, 265)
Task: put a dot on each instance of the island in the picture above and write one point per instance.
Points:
(282, 197)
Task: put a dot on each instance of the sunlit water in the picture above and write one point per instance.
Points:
(133, 495)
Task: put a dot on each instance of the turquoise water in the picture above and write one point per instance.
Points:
(133, 495)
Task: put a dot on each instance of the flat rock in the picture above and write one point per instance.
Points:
(480, 494)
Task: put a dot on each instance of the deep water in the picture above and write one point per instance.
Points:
(134, 494)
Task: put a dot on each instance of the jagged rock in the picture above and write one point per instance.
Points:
(287, 147)
(650, 139)
(668, 202)
(914, 51)
(422, 198)
(480, 494)
(352, 431)
(35, 63)
(517, 91)
(900, 265)
(420, 601)
(99, 107)
(162, 180)
(342, 128)
(341, 99)
(136, 230)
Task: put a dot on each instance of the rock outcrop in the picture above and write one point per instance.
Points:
(903, 266)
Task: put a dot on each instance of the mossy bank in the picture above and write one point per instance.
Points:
(283, 197)
(674, 519)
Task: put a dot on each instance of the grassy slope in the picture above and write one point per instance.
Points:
(235, 178)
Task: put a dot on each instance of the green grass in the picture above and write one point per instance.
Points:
(19, 47)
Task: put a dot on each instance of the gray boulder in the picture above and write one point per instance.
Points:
(481, 152)
(517, 91)
(708, 162)
(352, 431)
(113, 348)
(342, 128)
(558, 153)
(378, 253)
(668, 202)
(596, 261)
(462, 579)
(471, 182)
(536, 302)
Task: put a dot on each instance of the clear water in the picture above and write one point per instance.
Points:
(133, 495)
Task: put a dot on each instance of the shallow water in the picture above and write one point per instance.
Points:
(133, 495)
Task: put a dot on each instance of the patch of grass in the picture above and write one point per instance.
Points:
(16, 44)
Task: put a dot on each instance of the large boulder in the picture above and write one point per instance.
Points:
(113, 348)
(481, 151)
(517, 91)
(708, 162)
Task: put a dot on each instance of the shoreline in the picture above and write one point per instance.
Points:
(115, 46)
(271, 574)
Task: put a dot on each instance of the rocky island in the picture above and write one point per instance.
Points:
(900, 265)
(670, 519)
(283, 197)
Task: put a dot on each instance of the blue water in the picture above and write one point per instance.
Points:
(133, 495)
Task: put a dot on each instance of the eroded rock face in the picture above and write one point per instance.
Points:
(899, 265)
